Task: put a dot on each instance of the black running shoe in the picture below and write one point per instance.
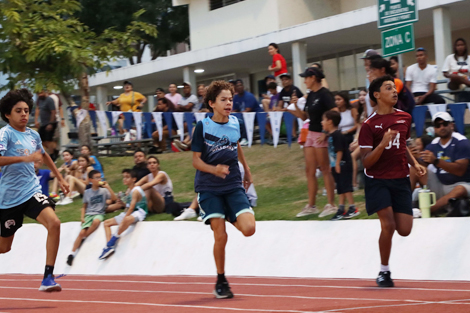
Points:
(338, 216)
(352, 212)
(384, 279)
(222, 291)
(70, 259)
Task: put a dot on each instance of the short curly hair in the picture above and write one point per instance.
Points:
(12, 98)
(214, 89)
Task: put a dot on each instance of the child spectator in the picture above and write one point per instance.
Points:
(86, 151)
(157, 186)
(341, 164)
(68, 168)
(137, 210)
(79, 181)
(93, 209)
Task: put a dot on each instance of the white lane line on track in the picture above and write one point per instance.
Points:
(243, 284)
(238, 294)
(155, 305)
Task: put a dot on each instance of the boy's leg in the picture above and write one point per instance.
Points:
(220, 237)
(126, 222)
(388, 225)
(93, 227)
(350, 198)
(49, 219)
(5, 244)
(246, 224)
(404, 223)
(341, 199)
(78, 241)
(107, 227)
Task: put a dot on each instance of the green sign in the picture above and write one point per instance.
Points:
(396, 12)
(398, 40)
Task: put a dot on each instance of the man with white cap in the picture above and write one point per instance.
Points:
(447, 157)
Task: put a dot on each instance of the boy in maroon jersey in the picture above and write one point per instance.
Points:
(385, 157)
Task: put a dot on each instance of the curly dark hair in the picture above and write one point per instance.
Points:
(12, 98)
(214, 89)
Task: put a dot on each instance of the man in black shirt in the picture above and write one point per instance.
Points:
(286, 92)
(140, 164)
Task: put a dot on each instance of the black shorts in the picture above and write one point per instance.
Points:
(343, 180)
(382, 193)
(45, 134)
(12, 219)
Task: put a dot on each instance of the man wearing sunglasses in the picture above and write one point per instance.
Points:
(447, 157)
(421, 79)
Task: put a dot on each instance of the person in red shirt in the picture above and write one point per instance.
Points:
(385, 157)
(279, 65)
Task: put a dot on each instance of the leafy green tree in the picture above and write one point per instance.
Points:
(44, 45)
(172, 22)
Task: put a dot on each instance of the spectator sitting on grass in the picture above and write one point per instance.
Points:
(86, 151)
(157, 186)
(447, 157)
(78, 182)
(68, 168)
(93, 209)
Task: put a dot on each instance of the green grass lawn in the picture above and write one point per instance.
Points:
(278, 174)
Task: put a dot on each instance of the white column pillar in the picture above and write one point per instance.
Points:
(151, 103)
(299, 63)
(101, 98)
(190, 77)
(442, 37)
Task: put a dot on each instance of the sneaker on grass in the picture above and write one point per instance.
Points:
(328, 210)
(65, 201)
(243, 142)
(48, 284)
(338, 216)
(222, 291)
(384, 279)
(352, 212)
(308, 210)
(75, 194)
(187, 214)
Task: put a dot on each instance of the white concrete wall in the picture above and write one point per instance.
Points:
(435, 250)
(295, 12)
(351, 5)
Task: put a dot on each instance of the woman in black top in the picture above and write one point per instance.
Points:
(319, 100)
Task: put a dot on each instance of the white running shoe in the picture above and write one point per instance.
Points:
(75, 194)
(187, 214)
(243, 142)
(199, 219)
(308, 210)
(65, 201)
(328, 210)
(417, 213)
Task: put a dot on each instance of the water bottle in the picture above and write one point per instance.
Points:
(426, 200)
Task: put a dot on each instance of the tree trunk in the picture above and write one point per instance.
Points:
(84, 136)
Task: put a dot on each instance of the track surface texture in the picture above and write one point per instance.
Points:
(193, 294)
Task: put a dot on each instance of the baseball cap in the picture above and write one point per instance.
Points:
(285, 75)
(312, 71)
(443, 116)
(369, 53)
(187, 83)
(270, 76)
(127, 82)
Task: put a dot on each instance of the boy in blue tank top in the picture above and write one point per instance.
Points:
(21, 193)
(218, 182)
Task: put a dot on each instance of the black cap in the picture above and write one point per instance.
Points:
(285, 75)
(369, 53)
(313, 71)
(269, 76)
(127, 82)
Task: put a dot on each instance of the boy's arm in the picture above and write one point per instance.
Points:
(247, 180)
(369, 156)
(221, 170)
(136, 197)
(339, 156)
(51, 165)
(111, 192)
(421, 170)
(33, 157)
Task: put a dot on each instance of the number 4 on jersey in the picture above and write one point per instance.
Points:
(396, 142)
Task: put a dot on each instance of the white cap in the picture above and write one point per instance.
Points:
(443, 116)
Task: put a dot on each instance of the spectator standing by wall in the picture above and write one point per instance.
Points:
(319, 100)
(421, 79)
(46, 112)
(447, 157)
(60, 123)
(341, 164)
(173, 94)
(130, 100)
(279, 65)
(457, 65)
(348, 124)
(188, 102)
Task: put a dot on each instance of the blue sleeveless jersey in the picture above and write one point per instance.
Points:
(218, 144)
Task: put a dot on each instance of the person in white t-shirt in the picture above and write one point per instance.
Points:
(457, 65)
(421, 79)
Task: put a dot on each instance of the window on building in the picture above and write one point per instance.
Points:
(217, 4)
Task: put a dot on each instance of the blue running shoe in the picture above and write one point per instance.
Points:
(106, 253)
(112, 242)
(49, 284)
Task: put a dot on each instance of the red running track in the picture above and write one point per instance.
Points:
(193, 294)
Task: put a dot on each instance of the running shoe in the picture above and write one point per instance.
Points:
(49, 284)
(199, 219)
(384, 279)
(243, 142)
(328, 210)
(180, 145)
(308, 210)
(75, 194)
(65, 201)
(175, 148)
(54, 196)
(338, 216)
(352, 212)
(187, 214)
(70, 259)
(417, 213)
(222, 291)
(109, 249)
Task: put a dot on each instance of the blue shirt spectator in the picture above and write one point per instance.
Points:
(44, 177)
(244, 101)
